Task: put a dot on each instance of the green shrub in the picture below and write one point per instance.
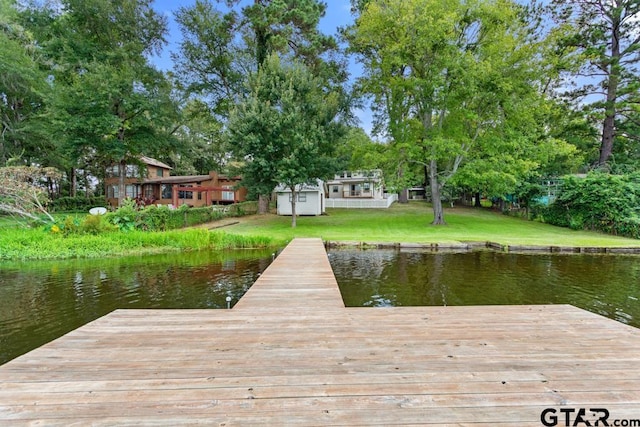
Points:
(599, 202)
(629, 228)
(70, 225)
(76, 204)
(95, 224)
(125, 218)
(155, 218)
(160, 218)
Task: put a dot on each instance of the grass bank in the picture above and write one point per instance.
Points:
(411, 224)
(32, 244)
(399, 224)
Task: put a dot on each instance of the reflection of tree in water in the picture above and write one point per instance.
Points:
(363, 278)
(438, 289)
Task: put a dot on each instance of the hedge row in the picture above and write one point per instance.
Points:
(76, 204)
(161, 218)
(599, 202)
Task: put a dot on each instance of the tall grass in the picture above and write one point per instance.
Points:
(39, 244)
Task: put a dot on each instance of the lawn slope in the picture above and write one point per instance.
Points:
(412, 224)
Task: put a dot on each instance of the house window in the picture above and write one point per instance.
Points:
(366, 187)
(183, 194)
(165, 191)
(159, 172)
(228, 194)
(113, 171)
(335, 189)
(132, 171)
(131, 191)
(302, 198)
(148, 191)
(113, 192)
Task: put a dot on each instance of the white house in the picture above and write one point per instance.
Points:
(358, 189)
(310, 199)
(365, 184)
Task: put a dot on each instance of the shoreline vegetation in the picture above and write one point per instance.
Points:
(401, 226)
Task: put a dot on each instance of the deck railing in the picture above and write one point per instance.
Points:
(362, 203)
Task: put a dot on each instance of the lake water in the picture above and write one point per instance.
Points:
(605, 284)
(40, 301)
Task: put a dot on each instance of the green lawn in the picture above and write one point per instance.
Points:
(399, 224)
(411, 224)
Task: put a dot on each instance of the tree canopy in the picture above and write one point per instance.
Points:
(452, 82)
(286, 129)
(600, 42)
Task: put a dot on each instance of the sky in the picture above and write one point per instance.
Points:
(338, 14)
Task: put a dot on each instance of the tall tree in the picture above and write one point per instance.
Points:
(286, 128)
(220, 49)
(23, 87)
(202, 145)
(109, 103)
(602, 38)
(446, 77)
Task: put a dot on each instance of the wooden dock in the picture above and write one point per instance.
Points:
(292, 355)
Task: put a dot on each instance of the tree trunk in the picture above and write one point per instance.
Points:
(477, 202)
(403, 196)
(263, 204)
(122, 170)
(293, 206)
(608, 127)
(436, 200)
(74, 182)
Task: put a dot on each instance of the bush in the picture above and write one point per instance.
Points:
(160, 218)
(76, 204)
(599, 202)
(126, 217)
(629, 228)
(95, 224)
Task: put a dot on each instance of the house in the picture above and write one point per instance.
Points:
(358, 189)
(150, 181)
(365, 184)
(310, 199)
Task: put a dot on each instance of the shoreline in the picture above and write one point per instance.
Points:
(497, 247)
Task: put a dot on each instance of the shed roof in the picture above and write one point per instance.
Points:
(319, 186)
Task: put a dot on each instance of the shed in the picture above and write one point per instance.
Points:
(310, 199)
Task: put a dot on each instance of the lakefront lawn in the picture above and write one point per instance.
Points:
(398, 224)
(410, 223)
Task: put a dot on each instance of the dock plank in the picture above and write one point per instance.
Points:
(311, 361)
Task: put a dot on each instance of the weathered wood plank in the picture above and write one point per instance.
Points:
(299, 277)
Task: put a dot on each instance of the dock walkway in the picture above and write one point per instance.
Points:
(292, 355)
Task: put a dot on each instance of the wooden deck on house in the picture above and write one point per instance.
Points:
(293, 355)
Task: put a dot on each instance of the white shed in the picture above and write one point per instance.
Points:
(310, 199)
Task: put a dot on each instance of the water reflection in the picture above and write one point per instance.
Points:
(604, 284)
(40, 301)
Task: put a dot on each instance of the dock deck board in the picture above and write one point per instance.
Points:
(285, 361)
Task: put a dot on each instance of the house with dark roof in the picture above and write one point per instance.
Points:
(149, 181)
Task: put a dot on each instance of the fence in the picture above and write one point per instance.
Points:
(362, 203)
